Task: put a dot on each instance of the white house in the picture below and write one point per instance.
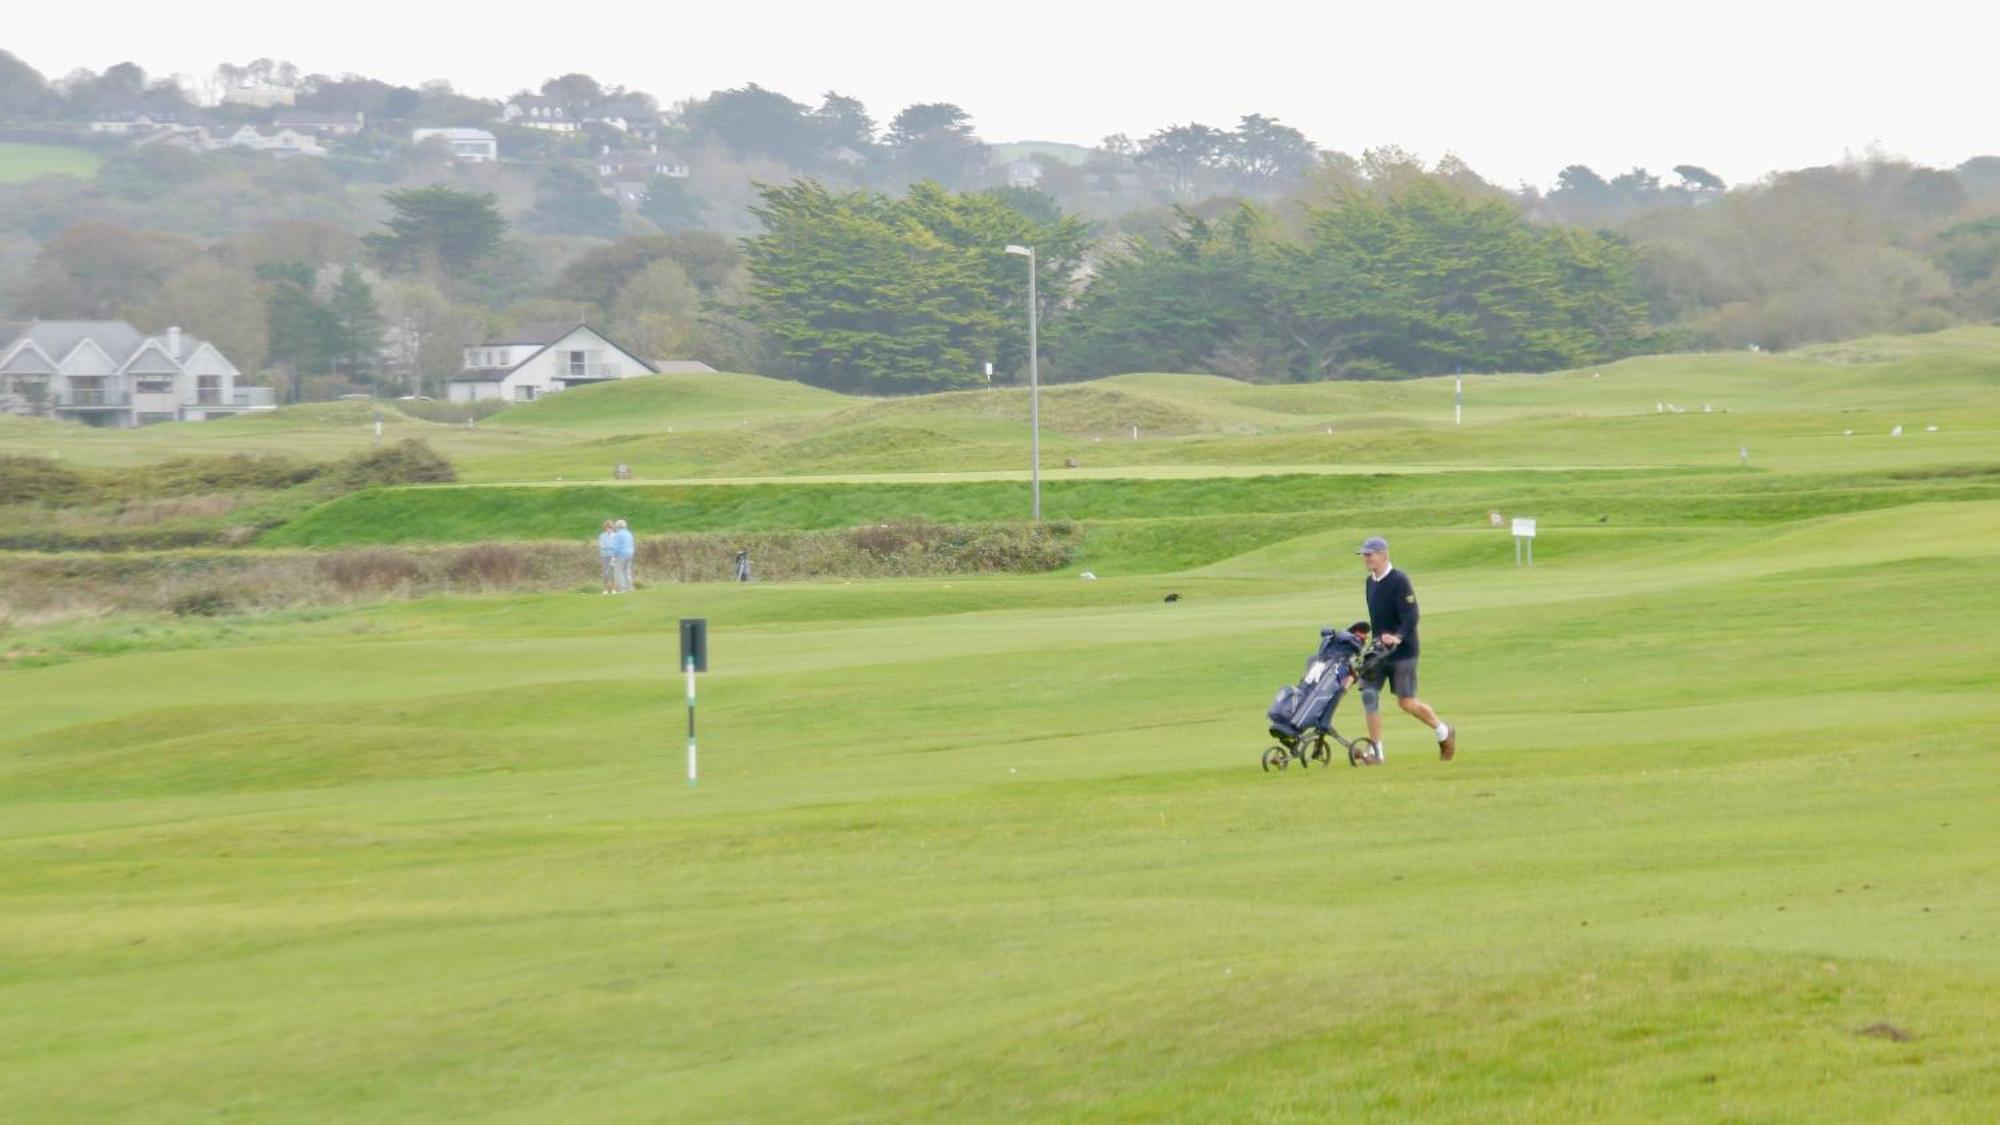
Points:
(283, 142)
(542, 359)
(261, 94)
(468, 146)
(321, 124)
(532, 111)
(639, 164)
(108, 373)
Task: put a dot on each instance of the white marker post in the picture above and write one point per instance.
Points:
(1524, 532)
(694, 658)
(1458, 402)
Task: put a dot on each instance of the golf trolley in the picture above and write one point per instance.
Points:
(1301, 715)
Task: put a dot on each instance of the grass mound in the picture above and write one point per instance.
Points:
(663, 400)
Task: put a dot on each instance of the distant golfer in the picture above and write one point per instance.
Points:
(1392, 610)
(626, 548)
(607, 555)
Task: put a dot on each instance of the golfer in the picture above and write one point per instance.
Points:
(1392, 611)
(626, 547)
(607, 555)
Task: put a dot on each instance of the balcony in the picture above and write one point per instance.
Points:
(94, 399)
(581, 371)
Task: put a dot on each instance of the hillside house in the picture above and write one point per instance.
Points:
(279, 142)
(108, 373)
(639, 164)
(321, 124)
(542, 359)
(468, 146)
(531, 111)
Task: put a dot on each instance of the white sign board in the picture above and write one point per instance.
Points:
(1524, 529)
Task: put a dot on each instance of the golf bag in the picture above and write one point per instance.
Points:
(1308, 705)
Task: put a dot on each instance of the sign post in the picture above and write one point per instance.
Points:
(694, 658)
(1524, 532)
(1458, 400)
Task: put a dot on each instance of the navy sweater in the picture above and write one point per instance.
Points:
(1392, 608)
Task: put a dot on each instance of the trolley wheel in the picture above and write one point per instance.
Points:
(1322, 752)
(1362, 752)
(1276, 759)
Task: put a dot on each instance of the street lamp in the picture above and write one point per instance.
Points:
(1034, 382)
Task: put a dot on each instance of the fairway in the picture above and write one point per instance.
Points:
(1719, 843)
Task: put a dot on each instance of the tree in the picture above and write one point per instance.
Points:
(358, 325)
(1417, 278)
(218, 302)
(1696, 178)
(151, 172)
(437, 231)
(935, 141)
(95, 270)
(427, 335)
(568, 202)
(670, 206)
(579, 90)
(754, 122)
(865, 292)
(1264, 153)
(658, 313)
(304, 335)
(1183, 154)
(844, 122)
(24, 93)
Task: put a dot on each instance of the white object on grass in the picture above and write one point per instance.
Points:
(1088, 576)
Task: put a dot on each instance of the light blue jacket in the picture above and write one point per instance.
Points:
(623, 542)
(607, 544)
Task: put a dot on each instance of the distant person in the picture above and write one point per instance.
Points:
(607, 555)
(626, 548)
(1392, 611)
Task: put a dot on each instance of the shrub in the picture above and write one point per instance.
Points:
(410, 461)
(370, 569)
(201, 603)
(499, 566)
(37, 480)
(237, 472)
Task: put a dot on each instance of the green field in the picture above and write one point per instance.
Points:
(20, 162)
(1720, 842)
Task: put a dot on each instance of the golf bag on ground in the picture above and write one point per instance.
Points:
(1308, 705)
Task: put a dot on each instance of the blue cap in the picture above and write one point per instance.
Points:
(1373, 543)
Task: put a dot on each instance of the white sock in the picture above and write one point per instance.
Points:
(1443, 730)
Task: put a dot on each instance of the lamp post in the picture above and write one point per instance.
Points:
(1034, 382)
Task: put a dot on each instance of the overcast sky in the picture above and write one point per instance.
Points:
(1517, 90)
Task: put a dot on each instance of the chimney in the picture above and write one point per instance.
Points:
(174, 341)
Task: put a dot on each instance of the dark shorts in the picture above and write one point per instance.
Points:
(1401, 677)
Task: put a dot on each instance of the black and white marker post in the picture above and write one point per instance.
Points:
(694, 658)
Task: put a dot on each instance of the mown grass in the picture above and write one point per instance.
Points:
(983, 849)
(1582, 498)
(20, 162)
(1718, 844)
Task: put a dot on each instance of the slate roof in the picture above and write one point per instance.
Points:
(120, 341)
